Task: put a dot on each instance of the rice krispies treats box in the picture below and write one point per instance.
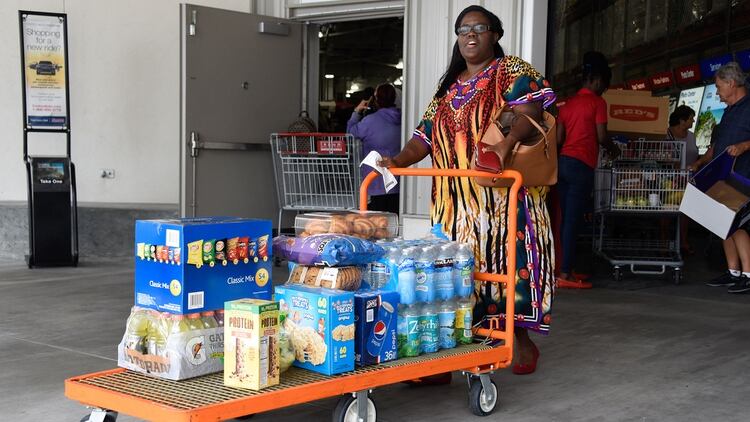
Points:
(320, 325)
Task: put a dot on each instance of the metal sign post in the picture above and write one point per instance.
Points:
(53, 210)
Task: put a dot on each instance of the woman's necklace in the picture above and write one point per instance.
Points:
(463, 78)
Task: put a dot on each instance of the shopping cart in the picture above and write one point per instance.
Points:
(316, 171)
(641, 192)
(207, 399)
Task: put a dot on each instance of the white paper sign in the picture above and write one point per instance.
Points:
(372, 159)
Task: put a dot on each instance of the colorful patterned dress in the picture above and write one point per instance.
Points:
(451, 127)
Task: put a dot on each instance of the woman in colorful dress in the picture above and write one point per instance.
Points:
(454, 122)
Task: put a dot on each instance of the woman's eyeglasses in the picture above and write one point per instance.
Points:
(478, 29)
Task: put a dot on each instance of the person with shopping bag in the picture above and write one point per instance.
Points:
(463, 128)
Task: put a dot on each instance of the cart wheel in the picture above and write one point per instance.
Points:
(677, 276)
(109, 417)
(617, 274)
(346, 410)
(481, 402)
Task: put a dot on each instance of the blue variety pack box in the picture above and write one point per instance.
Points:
(375, 326)
(717, 197)
(192, 265)
(320, 325)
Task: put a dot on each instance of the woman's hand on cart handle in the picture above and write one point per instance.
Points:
(414, 151)
(387, 162)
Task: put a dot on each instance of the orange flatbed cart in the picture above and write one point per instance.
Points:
(206, 398)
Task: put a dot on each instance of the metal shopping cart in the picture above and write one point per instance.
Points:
(207, 399)
(636, 208)
(316, 171)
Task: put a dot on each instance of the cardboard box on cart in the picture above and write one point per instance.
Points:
(376, 318)
(196, 264)
(718, 198)
(637, 113)
(320, 324)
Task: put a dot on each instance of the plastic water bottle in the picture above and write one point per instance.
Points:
(408, 330)
(407, 277)
(464, 320)
(219, 315)
(444, 272)
(208, 319)
(425, 270)
(463, 270)
(137, 331)
(430, 328)
(392, 258)
(447, 321)
(379, 273)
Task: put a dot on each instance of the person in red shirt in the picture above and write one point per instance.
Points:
(581, 128)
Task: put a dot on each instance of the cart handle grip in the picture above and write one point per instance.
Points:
(510, 282)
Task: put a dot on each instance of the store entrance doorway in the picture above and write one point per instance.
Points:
(356, 57)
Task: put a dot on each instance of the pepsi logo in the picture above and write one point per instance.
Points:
(378, 331)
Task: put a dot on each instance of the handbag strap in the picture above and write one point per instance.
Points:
(540, 129)
(499, 111)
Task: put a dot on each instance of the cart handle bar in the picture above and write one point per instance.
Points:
(510, 282)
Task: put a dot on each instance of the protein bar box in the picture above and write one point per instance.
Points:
(196, 264)
(251, 344)
(320, 325)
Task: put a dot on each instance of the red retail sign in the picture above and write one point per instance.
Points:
(688, 74)
(661, 80)
(640, 84)
(633, 113)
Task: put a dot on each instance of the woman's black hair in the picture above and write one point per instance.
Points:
(595, 66)
(458, 64)
(679, 114)
(385, 96)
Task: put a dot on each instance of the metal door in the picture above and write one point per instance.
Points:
(241, 80)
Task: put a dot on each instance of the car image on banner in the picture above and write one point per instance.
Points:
(711, 111)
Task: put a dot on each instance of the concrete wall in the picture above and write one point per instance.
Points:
(124, 97)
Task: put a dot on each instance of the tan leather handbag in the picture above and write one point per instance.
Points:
(535, 158)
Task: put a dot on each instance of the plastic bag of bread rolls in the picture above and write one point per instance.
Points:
(362, 224)
(342, 278)
(331, 250)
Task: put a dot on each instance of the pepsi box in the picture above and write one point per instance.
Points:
(375, 318)
(196, 264)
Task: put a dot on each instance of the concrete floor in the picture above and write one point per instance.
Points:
(640, 350)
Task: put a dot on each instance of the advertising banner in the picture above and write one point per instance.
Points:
(640, 84)
(711, 111)
(743, 58)
(661, 80)
(44, 69)
(687, 74)
(710, 66)
(692, 98)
